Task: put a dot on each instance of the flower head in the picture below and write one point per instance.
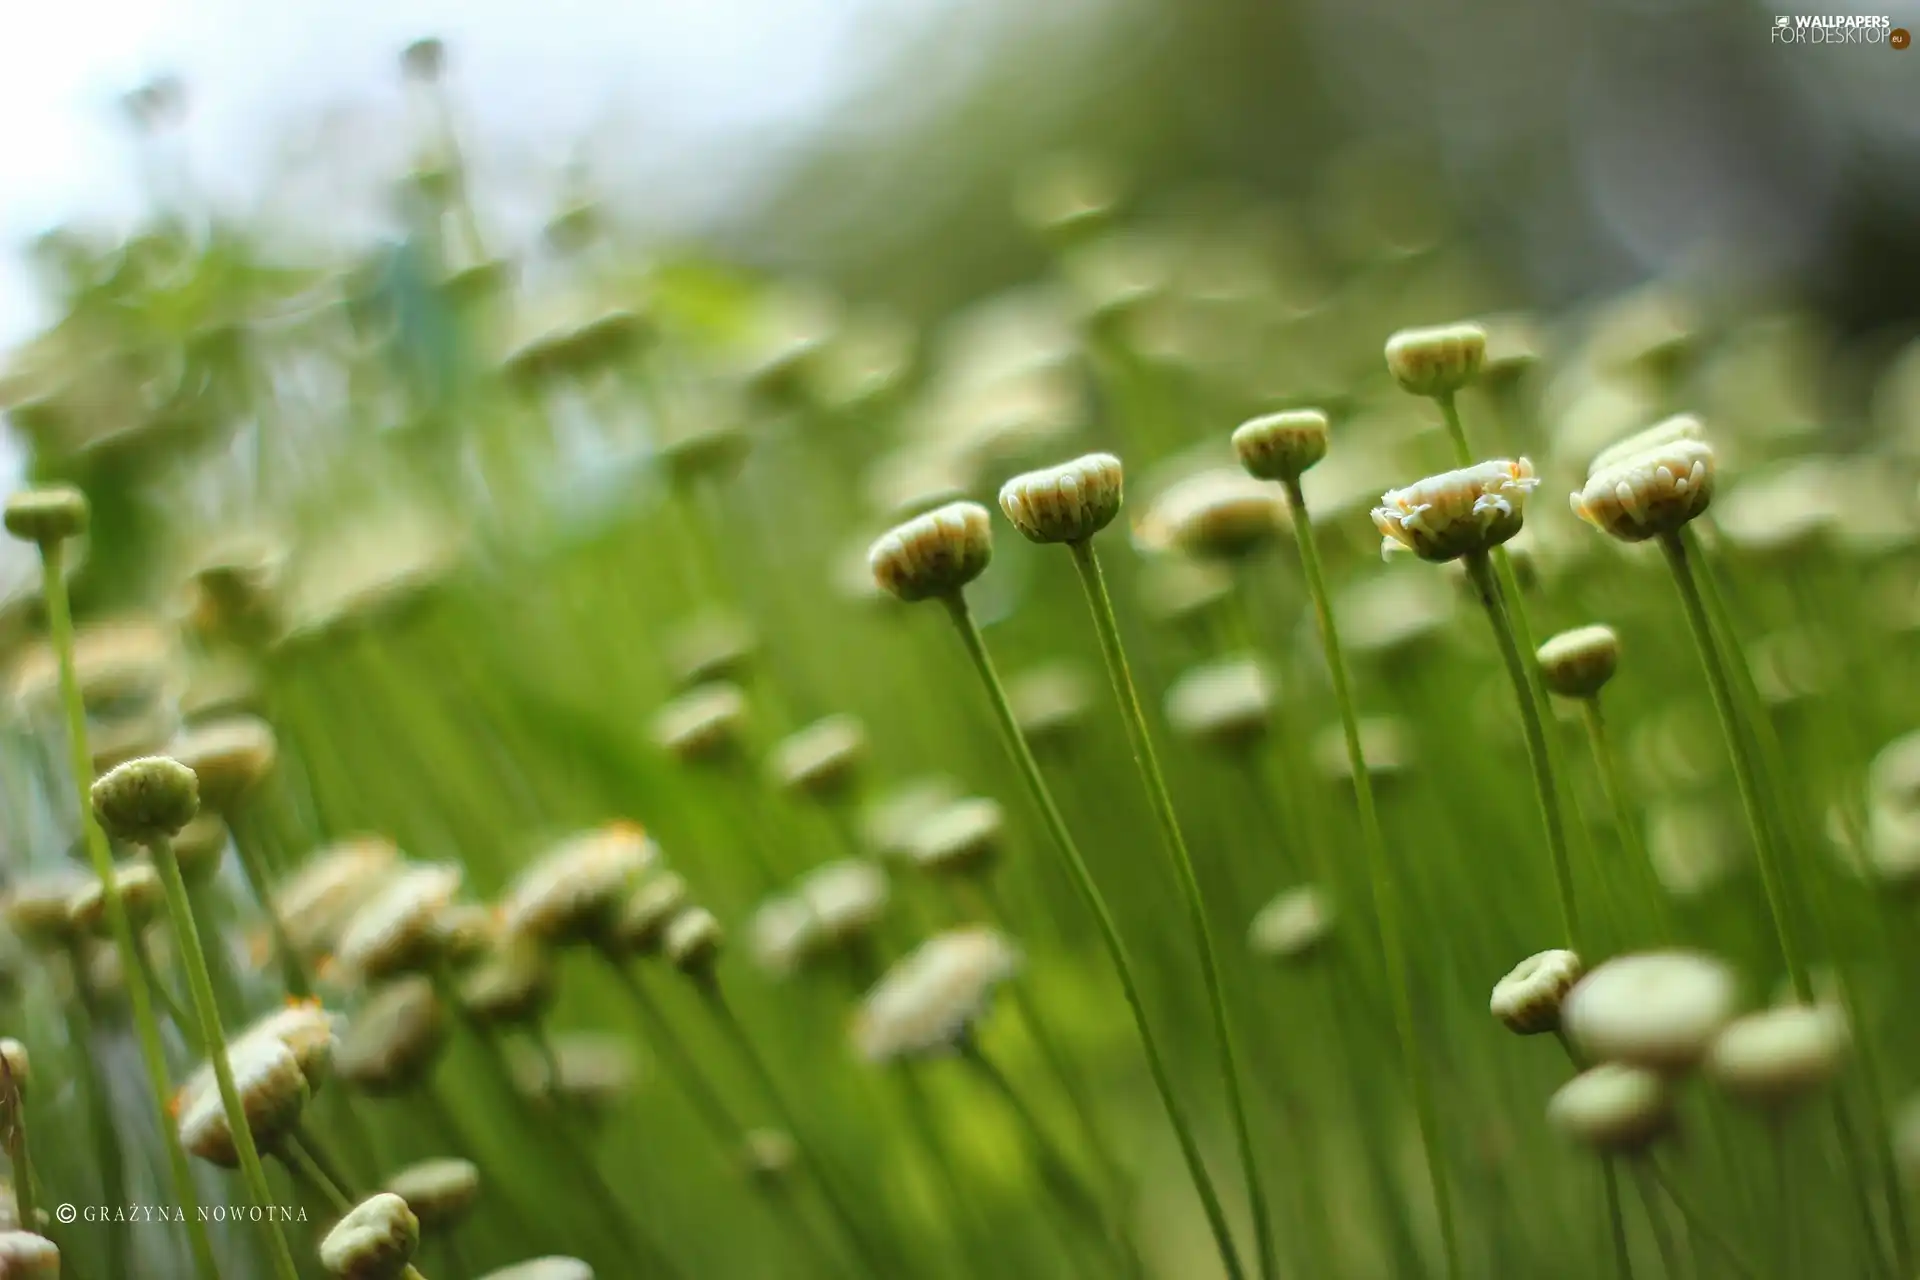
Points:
(1436, 361)
(1527, 1001)
(141, 800)
(1457, 513)
(1654, 491)
(961, 838)
(1218, 514)
(1281, 446)
(845, 898)
(930, 999)
(1293, 926)
(394, 1037)
(26, 1256)
(273, 1092)
(1067, 503)
(398, 929)
(440, 1192)
(693, 941)
(640, 925)
(571, 891)
(1613, 1108)
(1226, 704)
(47, 516)
(375, 1241)
(1655, 1009)
(935, 554)
(1777, 1056)
(823, 759)
(1578, 663)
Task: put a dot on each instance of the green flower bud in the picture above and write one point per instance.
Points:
(47, 516)
(146, 799)
(1281, 446)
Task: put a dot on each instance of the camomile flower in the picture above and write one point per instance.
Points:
(1457, 513)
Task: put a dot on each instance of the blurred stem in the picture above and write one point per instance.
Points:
(17, 1153)
(1656, 1219)
(736, 1034)
(1456, 430)
(728, 1132)
(193, 960)
(307, 1171)
(1624, 819)
(146, 1026)
(1059, 1062)
(1116, 949)
(292, 971)
(1058, 1172)
(1772, 771)
(1718, 683)
(1385, 891)
(100, 1119)
(1480, 570)
(1698, 1223)
(1787, 1242)
(176, 1013)
(1087, 561)
(1616, 1220)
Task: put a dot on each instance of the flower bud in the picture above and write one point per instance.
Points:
(397, 931)
(822, 760)
(16, 1071)
(440, 1192)
(1527, 1001)
(1650, 493)
(1226, 705)
(230, 756)
(1778, 1056)
(321, 899)
(200, 846)
(468, 931)
(963, 838)
(544, 1269)
(703, 725)
(146, 799)
(1214, 515)
(640, 927)
(711, 648)
(1067, 503)
(1655, 1009)
(1281, 446)
(1293, 926)
(1437, 361)
(273, 1092)
(846, 898)
(769, 1156)
(1457, 513)
(1613, 1108)
(571, 892)
(47, 516)
(1050, 702)
(1384, 741)
(1177, 589)
(375, 1241)
(1578, 663)
(785, 935)
(693, 941)
(232, 594)
(512, 987)
(593, 1073)
(26, 1256)
(307, 1030)
(39, 908)
(935, 554)
(933, 997)
(889, 824)
(141, 895)
(389, 1045)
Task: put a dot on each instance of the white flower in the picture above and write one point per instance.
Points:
(929, 1000)
(1459, 512)
(1656, 1009)
(1637, 496)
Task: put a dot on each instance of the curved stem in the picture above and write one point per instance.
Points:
(823, 1177)
(1698, 1224)
(1456, 430)
(1656, 1221)
(1616, 1220)
(200, 987)
(1624, 820)
(1076, 1197)
(1386, 893)
(146, 1026)
(1480, 570)
(301, 1164)
(1096, 903)
(1087, 561)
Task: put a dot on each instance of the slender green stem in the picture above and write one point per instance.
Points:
(1787, 1241)
(1075, 1196)
(301, 1164)
(1765, 849)
(82, 1011)
(1386, 893)
(1656, 1220)
(171, 1006)
(200, 987)
(823, 1176)
(146, 1025)
(1766, 747)
(1480, 569)
(1096, 903)
(1698, 1223)
(1616, 1220)
(1625, 821)
(1456, 430)
(1087, 561)
(293, 972)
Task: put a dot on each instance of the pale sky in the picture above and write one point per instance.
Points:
(693, 96)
